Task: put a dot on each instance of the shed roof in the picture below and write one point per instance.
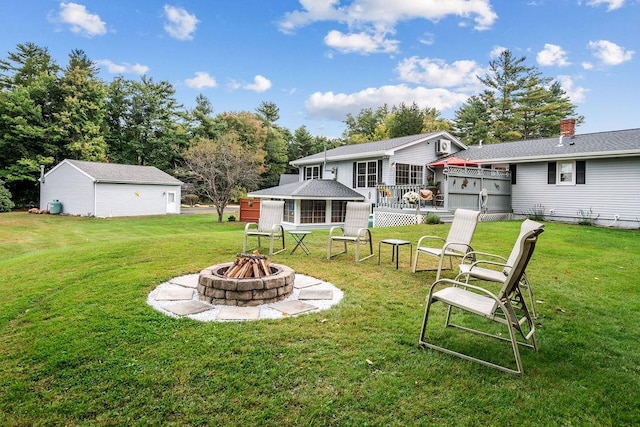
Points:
(123, 174)
(621, 143)
(310, 189)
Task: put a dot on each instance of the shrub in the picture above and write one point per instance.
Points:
(433, 218)
(536, 213)
(191, 199)
(587, 217)
(6, 204)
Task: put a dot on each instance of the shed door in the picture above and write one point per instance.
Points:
(171, 202)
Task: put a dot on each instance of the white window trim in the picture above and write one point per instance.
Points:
(559, 173)
(366, 174)
(311, 174)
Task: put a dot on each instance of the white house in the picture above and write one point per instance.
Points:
(572, 177)
(328, 180)
(107, 190)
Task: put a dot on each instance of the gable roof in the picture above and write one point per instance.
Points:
(621, 143)
(121, 174)
(384, 148)
(310, 189)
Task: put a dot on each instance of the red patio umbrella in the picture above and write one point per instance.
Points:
(452, 161)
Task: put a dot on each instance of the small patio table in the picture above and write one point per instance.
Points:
(298, 236)
(395, 245)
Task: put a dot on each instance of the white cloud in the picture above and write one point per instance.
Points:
(552, 55)
(80, 20)
(610, 53)
(181, 23)
(360, 42)
(387, 13)
(587, 65)
(335, 106)
(427, 39)
(497, 51)
(611, 4)
(577, 94)
(436, 72)
(201, 80)
(123, 68)
(260, 84)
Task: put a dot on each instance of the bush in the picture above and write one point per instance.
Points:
(6, 204)
(587, 217)
(191, 199)
(536, 213)
(433, 218)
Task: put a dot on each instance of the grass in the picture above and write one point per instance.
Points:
(80, 346)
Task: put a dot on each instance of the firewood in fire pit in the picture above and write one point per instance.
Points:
(249, 265)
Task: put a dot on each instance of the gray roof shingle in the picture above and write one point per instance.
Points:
(592, 145)
(125, 174)
(313, 188)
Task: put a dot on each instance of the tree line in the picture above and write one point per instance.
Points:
(50, 112)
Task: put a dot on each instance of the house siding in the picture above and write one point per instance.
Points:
(72, 188)
(612, 187)
(132, 199)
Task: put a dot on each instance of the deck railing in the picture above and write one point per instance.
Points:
(390, 196)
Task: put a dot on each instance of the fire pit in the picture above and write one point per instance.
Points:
(249, 281)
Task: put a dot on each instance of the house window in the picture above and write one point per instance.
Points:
(366, 174)
(289, 211)
(311, 172)
(408, 174)
(338, 210)
(567, 172)
(312, 211)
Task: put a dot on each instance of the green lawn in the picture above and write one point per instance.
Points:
(80, 346)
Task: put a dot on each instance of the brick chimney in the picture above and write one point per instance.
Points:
(567, 127)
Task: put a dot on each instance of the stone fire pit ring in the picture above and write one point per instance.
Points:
(214, 288)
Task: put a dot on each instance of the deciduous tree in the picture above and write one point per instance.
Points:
(223, 169)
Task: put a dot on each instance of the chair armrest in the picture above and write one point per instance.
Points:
(249, 225)
(277, 228)
(467, 286)
(335, 228)
(446, 246)
(480, 256)
(441, 239)
(364, 233)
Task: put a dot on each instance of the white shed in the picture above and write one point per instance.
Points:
(107, 189)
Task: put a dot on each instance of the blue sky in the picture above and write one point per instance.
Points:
(318, 60)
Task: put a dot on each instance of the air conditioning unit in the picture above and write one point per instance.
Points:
(443, 146)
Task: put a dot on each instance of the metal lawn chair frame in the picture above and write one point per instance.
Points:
(269, 225)
(495, 268)
(355, 230)
(507, 307)
(457, 243)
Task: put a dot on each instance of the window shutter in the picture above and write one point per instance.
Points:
(581, 172)
(379, 172)
(321, 169)
(551, 173)
(513, 169)
(355, 165)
